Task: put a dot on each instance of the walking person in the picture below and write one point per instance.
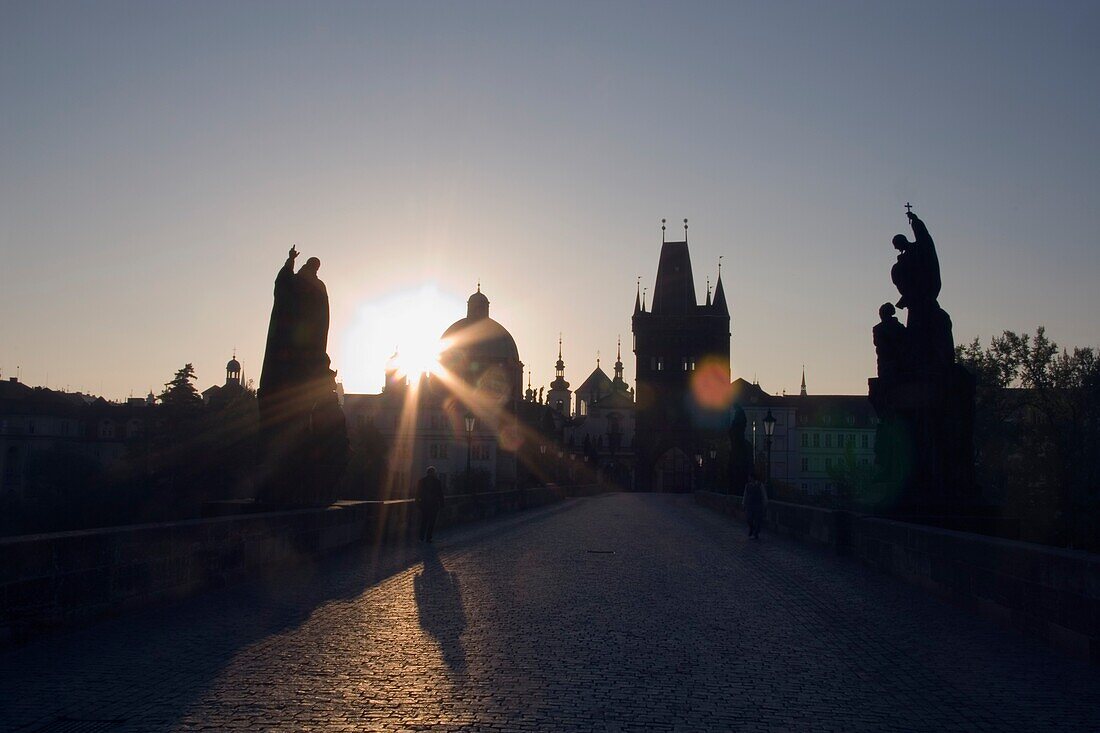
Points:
(429, 499)
(754, 500)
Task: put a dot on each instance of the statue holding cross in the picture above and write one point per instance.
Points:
(924, 400)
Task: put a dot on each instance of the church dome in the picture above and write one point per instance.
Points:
(481, 338)
(233, 365)
(477, 336)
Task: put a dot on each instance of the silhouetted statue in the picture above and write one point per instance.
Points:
(890, 342)
(924, 400)
(303, 427)
(741, 458)
(917, 277)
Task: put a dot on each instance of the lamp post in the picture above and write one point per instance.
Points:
(470, 422)
(769, 431)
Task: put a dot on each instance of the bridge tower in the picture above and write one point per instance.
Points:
(682, 352)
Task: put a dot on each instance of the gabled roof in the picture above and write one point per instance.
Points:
(598, 383)
(747, 393)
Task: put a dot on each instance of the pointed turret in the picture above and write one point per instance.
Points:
(638, 298)
(559, 395)
(618, 381)
(719, 304)
(803, 390)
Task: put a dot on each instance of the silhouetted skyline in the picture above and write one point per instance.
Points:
(155, 159)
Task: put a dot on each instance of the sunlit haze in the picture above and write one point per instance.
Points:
(157, 160)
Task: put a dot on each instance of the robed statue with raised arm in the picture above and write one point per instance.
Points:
(302, 426)
(923, 399)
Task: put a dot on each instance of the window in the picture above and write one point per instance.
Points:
(805, 440)
(653, 363)
(828, 440)
(693, 365)
(685, 364)
(828, 463)
(864, 441)
(805, 467)
(30, 426)
(660, 364)
(817, 440)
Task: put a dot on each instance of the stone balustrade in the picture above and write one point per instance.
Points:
(1047, 592)
(48, 580)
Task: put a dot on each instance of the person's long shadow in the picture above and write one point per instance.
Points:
(439, 604)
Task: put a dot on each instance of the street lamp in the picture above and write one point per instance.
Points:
(470, 422)
(769, 431)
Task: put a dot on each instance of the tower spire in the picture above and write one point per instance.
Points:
(685, 230)
(619, 362)
(662, 231)
(708, 291)
(638, 296)
(803, 392)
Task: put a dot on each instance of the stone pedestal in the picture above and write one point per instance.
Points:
(924, 442)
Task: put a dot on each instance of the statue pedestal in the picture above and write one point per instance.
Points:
(924, 442)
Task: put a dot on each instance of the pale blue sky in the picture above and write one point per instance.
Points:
(157, 160)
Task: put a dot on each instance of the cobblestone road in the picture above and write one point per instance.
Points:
(621, 612)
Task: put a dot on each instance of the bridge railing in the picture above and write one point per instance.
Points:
(1047, 592)
(61, 578)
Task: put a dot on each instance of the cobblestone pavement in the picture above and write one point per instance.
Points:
(615, 613)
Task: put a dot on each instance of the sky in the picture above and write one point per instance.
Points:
(157, 160)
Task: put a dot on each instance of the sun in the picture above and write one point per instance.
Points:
(398, 329)
(417, 356)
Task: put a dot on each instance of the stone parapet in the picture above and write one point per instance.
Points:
(50, 580)
(1046, 592)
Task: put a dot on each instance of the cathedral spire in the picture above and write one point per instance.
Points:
(638, 298)
(803, 392)
(708, 291)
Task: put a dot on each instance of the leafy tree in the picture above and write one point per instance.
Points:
(181, 392)
(1037, 433)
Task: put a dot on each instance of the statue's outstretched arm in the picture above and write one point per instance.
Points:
(920, 231)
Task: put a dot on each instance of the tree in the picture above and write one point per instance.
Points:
(1037, 432)
(180, 392)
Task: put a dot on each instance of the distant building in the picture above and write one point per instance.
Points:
(814, 434)
(38, 424)
(422, 418)
(218, 396)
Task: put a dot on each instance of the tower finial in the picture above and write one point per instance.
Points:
(559, 344)
(803, 392)
(597, 358)
(685, 230)
(619, 348)
(479, 285)
(643, 298)
(720, 265)
(662, 231)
